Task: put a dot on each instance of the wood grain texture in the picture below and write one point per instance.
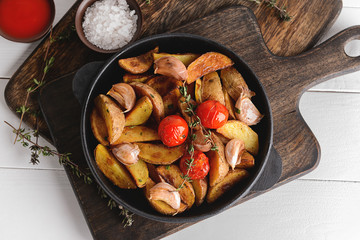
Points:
(284, 79)
(283, 38)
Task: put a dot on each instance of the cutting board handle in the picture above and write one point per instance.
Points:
(323, 62)
(83, 79)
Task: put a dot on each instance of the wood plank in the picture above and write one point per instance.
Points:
(12, 155)
(297, 211)
(334, 119)
(39, 204)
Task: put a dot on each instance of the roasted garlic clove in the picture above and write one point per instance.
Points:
(124, 94)
(246, 111)
(233, 151)
(167, 193)
(126, 153)
(201, 142)
(172, 67)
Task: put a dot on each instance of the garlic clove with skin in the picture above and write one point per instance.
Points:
(233, 151)
(246, 111)
(124, 94)
(172, 67)
(167, 193)
(200, 142)
(126, 153)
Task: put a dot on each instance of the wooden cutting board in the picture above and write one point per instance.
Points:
(283, 78)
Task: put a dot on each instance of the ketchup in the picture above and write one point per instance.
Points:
(24, 19)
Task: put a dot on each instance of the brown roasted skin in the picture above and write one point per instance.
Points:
(207, 63)
(157, 153)
(218, 165)
(211, 88)
(200, 187)
(98, 127)
(235, 84)
(230, 180)
(138, 64)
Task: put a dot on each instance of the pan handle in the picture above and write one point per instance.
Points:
(83, 79)
(271, 173)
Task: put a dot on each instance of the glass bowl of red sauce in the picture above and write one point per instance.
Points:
(26, 20)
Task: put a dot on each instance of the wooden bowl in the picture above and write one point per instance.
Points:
(133, 5)
(37, 36)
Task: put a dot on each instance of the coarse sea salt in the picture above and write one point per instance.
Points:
(109, 24)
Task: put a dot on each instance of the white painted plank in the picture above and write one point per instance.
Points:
(14, 54)
(16, 155)
(334, 119)
(351, 82)
(39, 204)
(297, 211)
(351, 3)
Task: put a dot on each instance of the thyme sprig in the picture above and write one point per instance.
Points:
(283, 14)
(126, 214)
(195, 121)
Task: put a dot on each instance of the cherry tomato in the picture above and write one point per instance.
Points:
(199, 168)
(212, 114)
(173, 130)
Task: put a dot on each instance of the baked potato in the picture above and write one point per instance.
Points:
(218, 164)
(235, 84)
(138, 64)
(211, 88)
(159, 153)
(200, 188)
(207, 63)
(230, 180)
(185, 58)
(112, 168)
(113, 116)
(137, 134)
(98, 127)
(139, 172)
(235, 129)
(140, 113)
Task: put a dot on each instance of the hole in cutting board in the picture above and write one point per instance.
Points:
(352, 48)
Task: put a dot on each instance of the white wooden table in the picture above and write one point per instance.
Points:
(37, 202)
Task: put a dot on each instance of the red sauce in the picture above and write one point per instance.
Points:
(23, 19)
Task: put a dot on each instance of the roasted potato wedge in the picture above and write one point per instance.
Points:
(207, 63)
(232, 178)
(171, 101)
(155, 98)
(218, 164)
(98, 127)
(211, 88)
(247, 161)
(159, 153)
(229, 104)
(153, 174)
(235, 84)
(138, 134)
(138, 64)
(128, 77)
(161, 206)
(200, 188)
(161, 84)
(139, 172)
(182, 107)
(239, 130)
(140, 113)
(112, 168)
(198, 90)
(185, 58)
(172, 175)
(113, 116)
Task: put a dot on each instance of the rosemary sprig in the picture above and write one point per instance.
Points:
(283, 14)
